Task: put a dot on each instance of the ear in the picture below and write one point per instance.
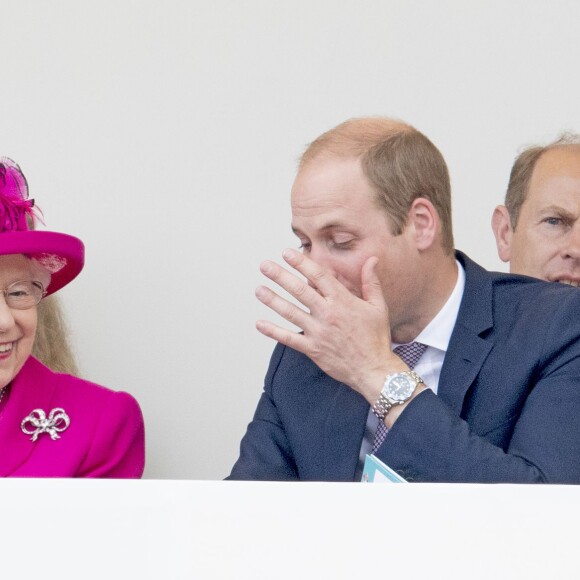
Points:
(424, 222)
(501, 225)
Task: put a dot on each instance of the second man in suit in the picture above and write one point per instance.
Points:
(538, 229)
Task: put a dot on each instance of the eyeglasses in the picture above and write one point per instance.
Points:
(24, 294)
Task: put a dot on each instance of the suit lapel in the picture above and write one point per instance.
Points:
(467, 348)
(343, 432)
(32, 388)
(463, 361)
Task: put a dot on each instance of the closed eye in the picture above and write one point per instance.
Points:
(343, 245)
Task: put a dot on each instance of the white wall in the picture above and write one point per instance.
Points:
(165, 134)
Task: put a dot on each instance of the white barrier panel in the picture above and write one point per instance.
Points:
(86, 529)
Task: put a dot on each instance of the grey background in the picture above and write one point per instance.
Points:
(165, 135)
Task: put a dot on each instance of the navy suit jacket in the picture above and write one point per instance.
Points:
(507, 410)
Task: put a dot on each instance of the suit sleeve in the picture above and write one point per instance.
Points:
(118, 444)
(541, 443)
(265, 452)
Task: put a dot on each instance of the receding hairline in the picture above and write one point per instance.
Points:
(556, 149)
(353, 138)
(524, 168)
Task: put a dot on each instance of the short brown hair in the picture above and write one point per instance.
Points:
(399, 161)
(522, 170)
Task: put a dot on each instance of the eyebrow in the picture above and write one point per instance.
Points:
(327, 227)
(557, 210)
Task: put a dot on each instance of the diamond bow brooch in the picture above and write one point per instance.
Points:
(37, 423)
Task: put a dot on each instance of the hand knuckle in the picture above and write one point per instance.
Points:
(319, 274)
(314, 351)
(288, 312)
(299, 289)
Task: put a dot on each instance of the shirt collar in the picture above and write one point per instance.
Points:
(438, 332)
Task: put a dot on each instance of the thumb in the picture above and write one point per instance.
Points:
(371, 288)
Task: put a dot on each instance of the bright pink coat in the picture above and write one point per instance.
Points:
(105, 437)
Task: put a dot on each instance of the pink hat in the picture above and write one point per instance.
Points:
(62, 255)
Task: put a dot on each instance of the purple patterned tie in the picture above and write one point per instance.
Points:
(410, 353)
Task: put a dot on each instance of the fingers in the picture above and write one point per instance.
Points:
(297, 288)
(315, 274)
(371, 288)
(292, 339)
(291, 283)
(284, 308)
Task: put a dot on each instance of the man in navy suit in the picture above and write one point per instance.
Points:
(494, 394)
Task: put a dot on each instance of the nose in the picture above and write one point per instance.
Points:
(6, 316)
(320, 254)
(572, 246)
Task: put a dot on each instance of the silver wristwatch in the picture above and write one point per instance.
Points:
(397, 389)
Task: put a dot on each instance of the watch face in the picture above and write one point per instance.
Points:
(400, 388)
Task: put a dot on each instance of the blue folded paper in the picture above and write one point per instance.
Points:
(375, 471)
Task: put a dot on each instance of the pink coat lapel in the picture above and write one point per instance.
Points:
(33, 388)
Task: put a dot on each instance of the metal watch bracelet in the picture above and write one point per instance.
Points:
(384, 404)
(382, 407)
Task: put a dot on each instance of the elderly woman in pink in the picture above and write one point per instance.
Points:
(51, 424)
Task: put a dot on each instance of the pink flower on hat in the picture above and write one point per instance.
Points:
(14, 203)
(63, 256)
